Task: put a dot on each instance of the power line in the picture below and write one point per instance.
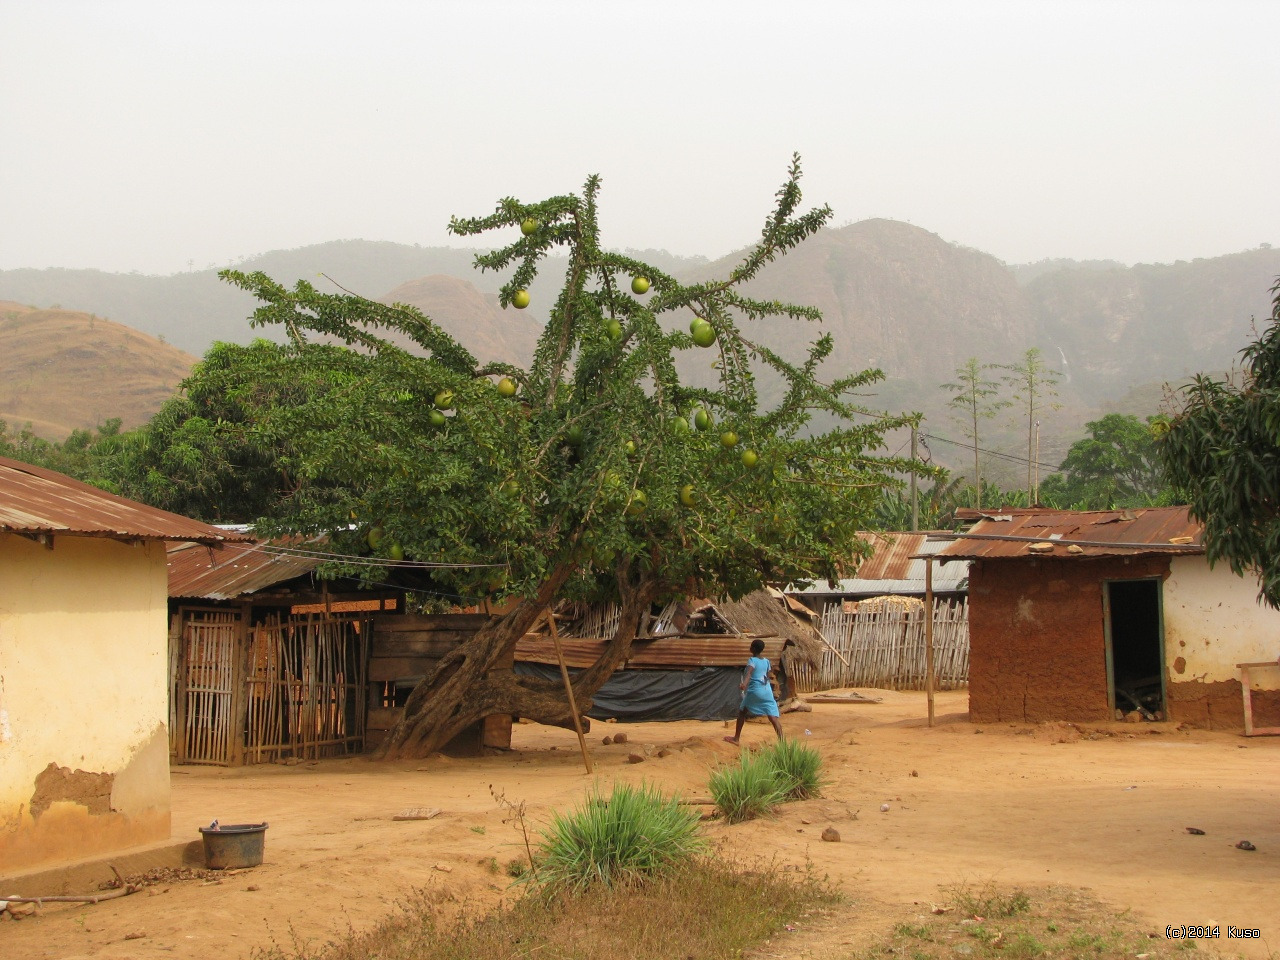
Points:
(372, 561)
(1013, 458)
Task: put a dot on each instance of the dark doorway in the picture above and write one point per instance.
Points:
(1135, 647)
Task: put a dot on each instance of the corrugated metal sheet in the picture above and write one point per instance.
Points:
(671, 653)
(38, 501)
(1096, 533)
(896, 569)
(236, 570)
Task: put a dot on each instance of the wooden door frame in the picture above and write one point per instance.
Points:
(1109, 652)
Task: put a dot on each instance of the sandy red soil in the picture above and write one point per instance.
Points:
(1101, 807)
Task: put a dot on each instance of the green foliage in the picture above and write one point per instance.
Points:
(625, 839)
(87, 455)
(748, 790)
(797, 767)
(1223, 451)
(220, 450)
(1116, 466)
(975, 399)
(579, 474)
(936, 506)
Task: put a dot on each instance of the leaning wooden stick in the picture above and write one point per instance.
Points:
(568, 689)
(121, 891)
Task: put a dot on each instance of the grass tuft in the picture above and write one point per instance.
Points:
(798, 768)
(987, 900)
(630, 837)
(748, 790)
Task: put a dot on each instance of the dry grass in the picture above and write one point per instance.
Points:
(986, 922)
(707, 910)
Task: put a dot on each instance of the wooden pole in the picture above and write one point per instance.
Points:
(568, 689)
(915, 498)
(928, 634)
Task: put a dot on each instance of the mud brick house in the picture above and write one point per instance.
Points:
(84, 758)
(1093, 615)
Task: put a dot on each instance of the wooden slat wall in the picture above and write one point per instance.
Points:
(885, 648)
(406, 647)
(308, 687)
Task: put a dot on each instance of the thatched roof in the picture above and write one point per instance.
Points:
(767, 613)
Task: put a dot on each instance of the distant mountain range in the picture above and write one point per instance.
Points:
(894, 296)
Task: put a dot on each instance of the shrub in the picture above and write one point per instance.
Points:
(797, 767)
(632, 836)
(746, 791)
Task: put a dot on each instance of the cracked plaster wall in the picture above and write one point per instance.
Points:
(83, 699)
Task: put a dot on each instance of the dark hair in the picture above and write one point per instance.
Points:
(757, 647)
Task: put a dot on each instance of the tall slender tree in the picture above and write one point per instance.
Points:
(1033, 385)
(975, 398)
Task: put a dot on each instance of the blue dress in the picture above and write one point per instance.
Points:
(758, 699)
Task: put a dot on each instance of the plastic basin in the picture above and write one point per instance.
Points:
(233, 846)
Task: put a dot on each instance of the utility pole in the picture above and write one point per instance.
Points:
(915, 499)
(1036, 499)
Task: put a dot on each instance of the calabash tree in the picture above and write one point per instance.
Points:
(600, 471)
(1222, 450)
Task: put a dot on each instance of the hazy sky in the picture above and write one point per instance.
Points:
(155, 136)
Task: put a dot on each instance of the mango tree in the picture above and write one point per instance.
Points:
(1221, 452)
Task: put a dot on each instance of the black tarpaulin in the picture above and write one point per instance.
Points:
(708, 693)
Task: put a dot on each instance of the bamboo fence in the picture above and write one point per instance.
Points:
(294, 687)
(204, 686)
(883, 645)
(307, 687)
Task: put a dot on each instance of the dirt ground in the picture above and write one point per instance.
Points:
(1102, 807)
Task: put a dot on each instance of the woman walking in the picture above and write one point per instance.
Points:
(757, 694)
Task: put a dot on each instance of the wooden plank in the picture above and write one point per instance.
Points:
(398, 668)
(497, 731)
(417, 813)
(469, 622)
(418, 644)
(383, 718)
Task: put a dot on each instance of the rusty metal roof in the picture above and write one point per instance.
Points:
(34, 500)
(895, 568)
(684, 652)
(236, 570)
(1078, 533)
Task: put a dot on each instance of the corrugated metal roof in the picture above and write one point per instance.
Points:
(895, 568)
(663, 653)
(236, 570)
(1079, 533)
(34, 500)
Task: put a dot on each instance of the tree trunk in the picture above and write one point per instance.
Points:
(460, 692)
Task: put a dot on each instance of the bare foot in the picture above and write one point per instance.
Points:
(733, 740)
